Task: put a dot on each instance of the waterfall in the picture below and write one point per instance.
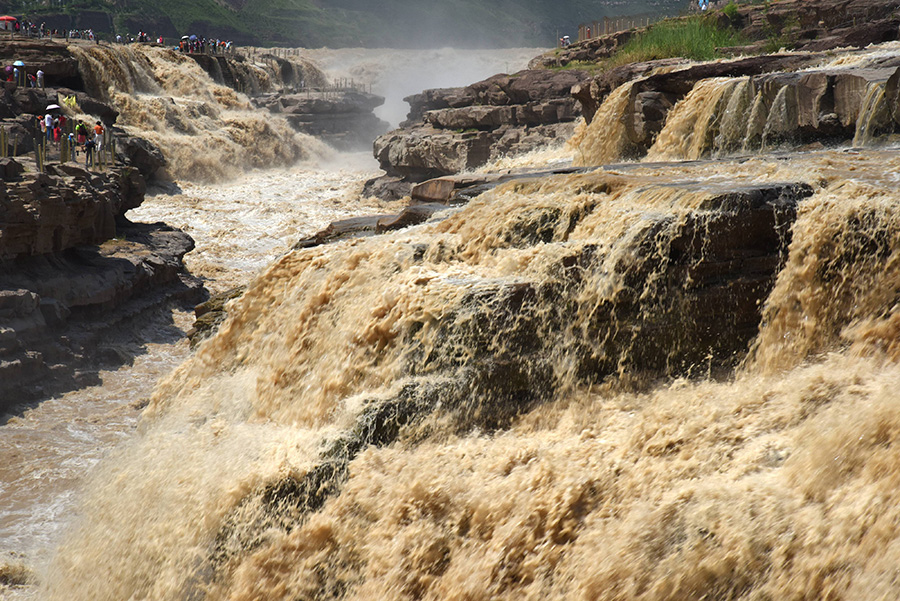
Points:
(206, 131)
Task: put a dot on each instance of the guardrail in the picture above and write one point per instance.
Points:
(610, 25)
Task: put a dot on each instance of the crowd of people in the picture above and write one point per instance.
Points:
(26, 27)
(80, 138)
(193, 44)
(142, 37)
(188, 44)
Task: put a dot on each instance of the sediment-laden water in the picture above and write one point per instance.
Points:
(539, 396)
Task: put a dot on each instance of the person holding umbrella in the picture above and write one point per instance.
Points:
(19, 72)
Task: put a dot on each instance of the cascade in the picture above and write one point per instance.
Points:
(206, 131)
(649, 381)
(874, 117)
(605, 139)
(693, 126)
(474, 405)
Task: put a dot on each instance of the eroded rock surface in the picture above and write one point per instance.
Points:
(343, 119)
(449, 130)
(690, 290)
(71, 267)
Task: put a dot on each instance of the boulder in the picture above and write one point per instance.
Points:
(141, 154)
(450, 130)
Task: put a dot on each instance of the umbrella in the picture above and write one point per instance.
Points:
(184, 37)
(51, 107)
(8, 18)
(18, 64)
(193, 38)
(9, 68)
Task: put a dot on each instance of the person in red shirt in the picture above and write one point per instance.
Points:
(98, 136)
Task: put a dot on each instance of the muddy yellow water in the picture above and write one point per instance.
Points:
(777, 479)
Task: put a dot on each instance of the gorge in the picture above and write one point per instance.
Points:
(654, 359)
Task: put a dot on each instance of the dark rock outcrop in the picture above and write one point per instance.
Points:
(343, 119)
(690, 296)
(71, 267)
(55, 309)
(453, 129)
(42, 213)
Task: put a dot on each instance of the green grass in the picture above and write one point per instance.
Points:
(694, 38)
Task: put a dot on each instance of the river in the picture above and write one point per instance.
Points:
(535, 396)
(239, 223)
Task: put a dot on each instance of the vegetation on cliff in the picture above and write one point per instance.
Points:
(392, 23)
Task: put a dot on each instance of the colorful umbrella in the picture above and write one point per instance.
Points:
(18, 64)
(8, 18)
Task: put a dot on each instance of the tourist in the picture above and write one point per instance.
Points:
(98, 136)
(48, 122)
(81, 133)
(89, 153)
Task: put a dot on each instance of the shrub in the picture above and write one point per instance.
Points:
(695, 38)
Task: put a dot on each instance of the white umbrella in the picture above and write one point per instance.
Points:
(50, 107)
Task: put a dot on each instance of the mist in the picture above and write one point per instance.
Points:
(396, 74)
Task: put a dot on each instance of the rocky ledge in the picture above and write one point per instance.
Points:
(72, 268)
(791, 24)
(787, 100)
(450, 130)
(343, 118)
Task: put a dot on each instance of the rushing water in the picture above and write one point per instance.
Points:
(519, 440)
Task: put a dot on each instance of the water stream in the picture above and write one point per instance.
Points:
(503, 403)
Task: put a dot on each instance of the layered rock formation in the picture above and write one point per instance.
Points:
(450, 130)
(342, 118)
(689, 292)
(759, 101)
(71, 267)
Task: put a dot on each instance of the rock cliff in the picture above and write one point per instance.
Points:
(344, 118)
(449, 130)
(71, 267)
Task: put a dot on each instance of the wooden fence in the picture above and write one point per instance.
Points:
(609, 25)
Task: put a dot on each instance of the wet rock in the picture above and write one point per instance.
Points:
(143, 155)
(387, 187)
(412, 215)
(450, 130)
(210, 315)
(343, 229)
(344, 119)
